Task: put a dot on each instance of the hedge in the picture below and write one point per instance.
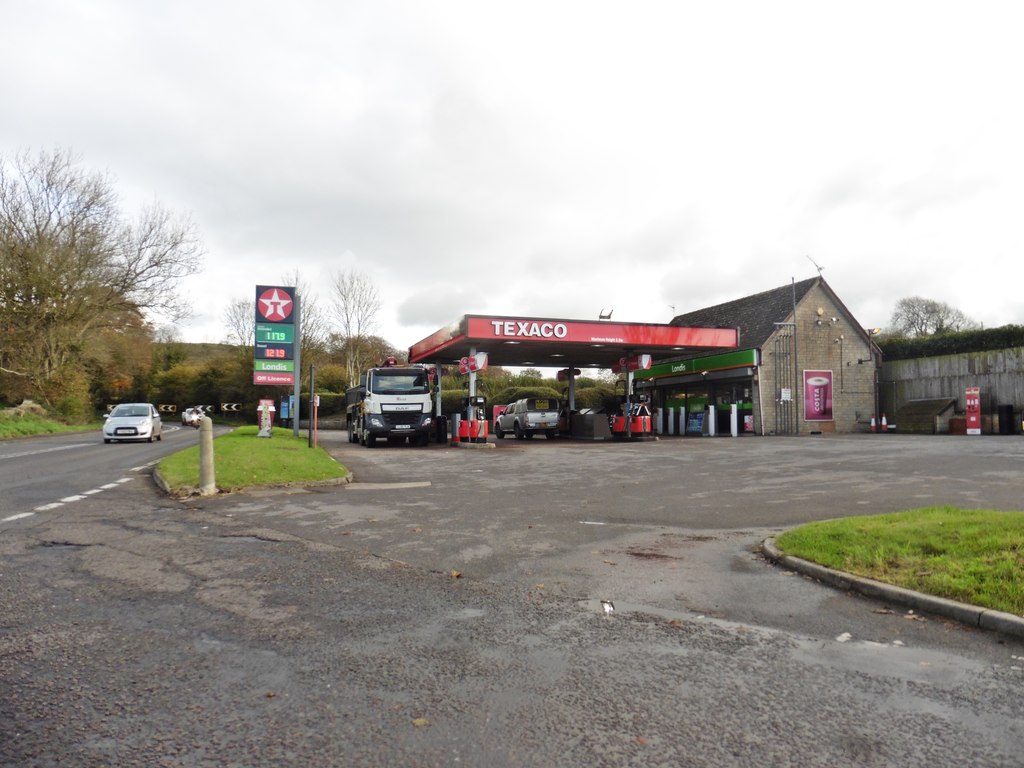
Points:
(1005, 337)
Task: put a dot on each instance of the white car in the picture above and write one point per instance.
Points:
(192, 417)
(133, 421)
(528, 417)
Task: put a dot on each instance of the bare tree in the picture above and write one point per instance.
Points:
(356, 304)
(72, 267)
(314, 331)
(240, 319)
(915, 316)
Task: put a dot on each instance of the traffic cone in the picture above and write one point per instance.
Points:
(885, 424)
(873, 428)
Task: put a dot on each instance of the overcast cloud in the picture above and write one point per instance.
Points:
(549, 159)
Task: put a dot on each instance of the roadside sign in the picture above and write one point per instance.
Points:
(167, 408)
(274, 348)
(231, 406)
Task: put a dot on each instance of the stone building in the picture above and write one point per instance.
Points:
(804, 365)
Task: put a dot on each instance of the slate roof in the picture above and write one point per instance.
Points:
(755, 316)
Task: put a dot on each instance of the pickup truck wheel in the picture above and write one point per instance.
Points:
(528, 435)
(499, 432)
(550, 434)
(518, 430)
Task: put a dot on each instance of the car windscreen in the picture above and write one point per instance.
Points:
(130, 410)
(542, 404)
(412, 383)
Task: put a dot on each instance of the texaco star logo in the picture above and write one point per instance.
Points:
(275, 305)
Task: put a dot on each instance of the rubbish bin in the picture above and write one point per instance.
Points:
(1005, 419)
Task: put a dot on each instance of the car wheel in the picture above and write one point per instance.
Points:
(160, 437)
(106, 439)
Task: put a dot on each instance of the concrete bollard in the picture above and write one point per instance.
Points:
(207, 478)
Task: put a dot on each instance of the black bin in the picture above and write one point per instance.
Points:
(1005, 419)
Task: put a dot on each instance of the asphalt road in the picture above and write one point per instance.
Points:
(445, 609)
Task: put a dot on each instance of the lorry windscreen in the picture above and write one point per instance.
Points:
(394, 383)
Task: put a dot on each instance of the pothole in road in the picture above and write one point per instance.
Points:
(643, 554)
(248, 538)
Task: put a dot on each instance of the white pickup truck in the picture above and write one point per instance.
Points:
(526, 417)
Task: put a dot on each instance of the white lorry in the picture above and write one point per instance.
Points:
(391, 402)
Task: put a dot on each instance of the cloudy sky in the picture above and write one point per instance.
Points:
(549, 158)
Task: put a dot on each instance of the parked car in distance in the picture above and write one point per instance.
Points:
(133, 421)
(192, 417)
(527, 417)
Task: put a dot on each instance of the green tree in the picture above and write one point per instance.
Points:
(72, 267)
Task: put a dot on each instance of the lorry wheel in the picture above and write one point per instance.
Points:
(371, 441)
(351, 433)
(528, 435)
(551, 434)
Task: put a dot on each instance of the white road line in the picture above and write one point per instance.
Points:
(69, 499)
(43, 450)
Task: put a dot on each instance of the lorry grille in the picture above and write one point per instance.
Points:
(393, 419)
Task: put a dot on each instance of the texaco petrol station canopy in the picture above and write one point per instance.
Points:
(546, 342)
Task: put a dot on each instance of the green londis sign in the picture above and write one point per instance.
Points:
(275, 332)
(281, 366)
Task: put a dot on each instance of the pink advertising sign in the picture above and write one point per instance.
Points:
(817, 395)
(972, 401)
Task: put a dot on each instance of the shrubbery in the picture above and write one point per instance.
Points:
(901, 348)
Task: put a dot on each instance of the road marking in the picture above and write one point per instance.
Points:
(69, 499)
(385, 486)
(17, 517)
(44, 450)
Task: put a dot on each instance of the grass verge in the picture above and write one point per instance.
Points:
(31, 424)
(974, 556)
(242, 459)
